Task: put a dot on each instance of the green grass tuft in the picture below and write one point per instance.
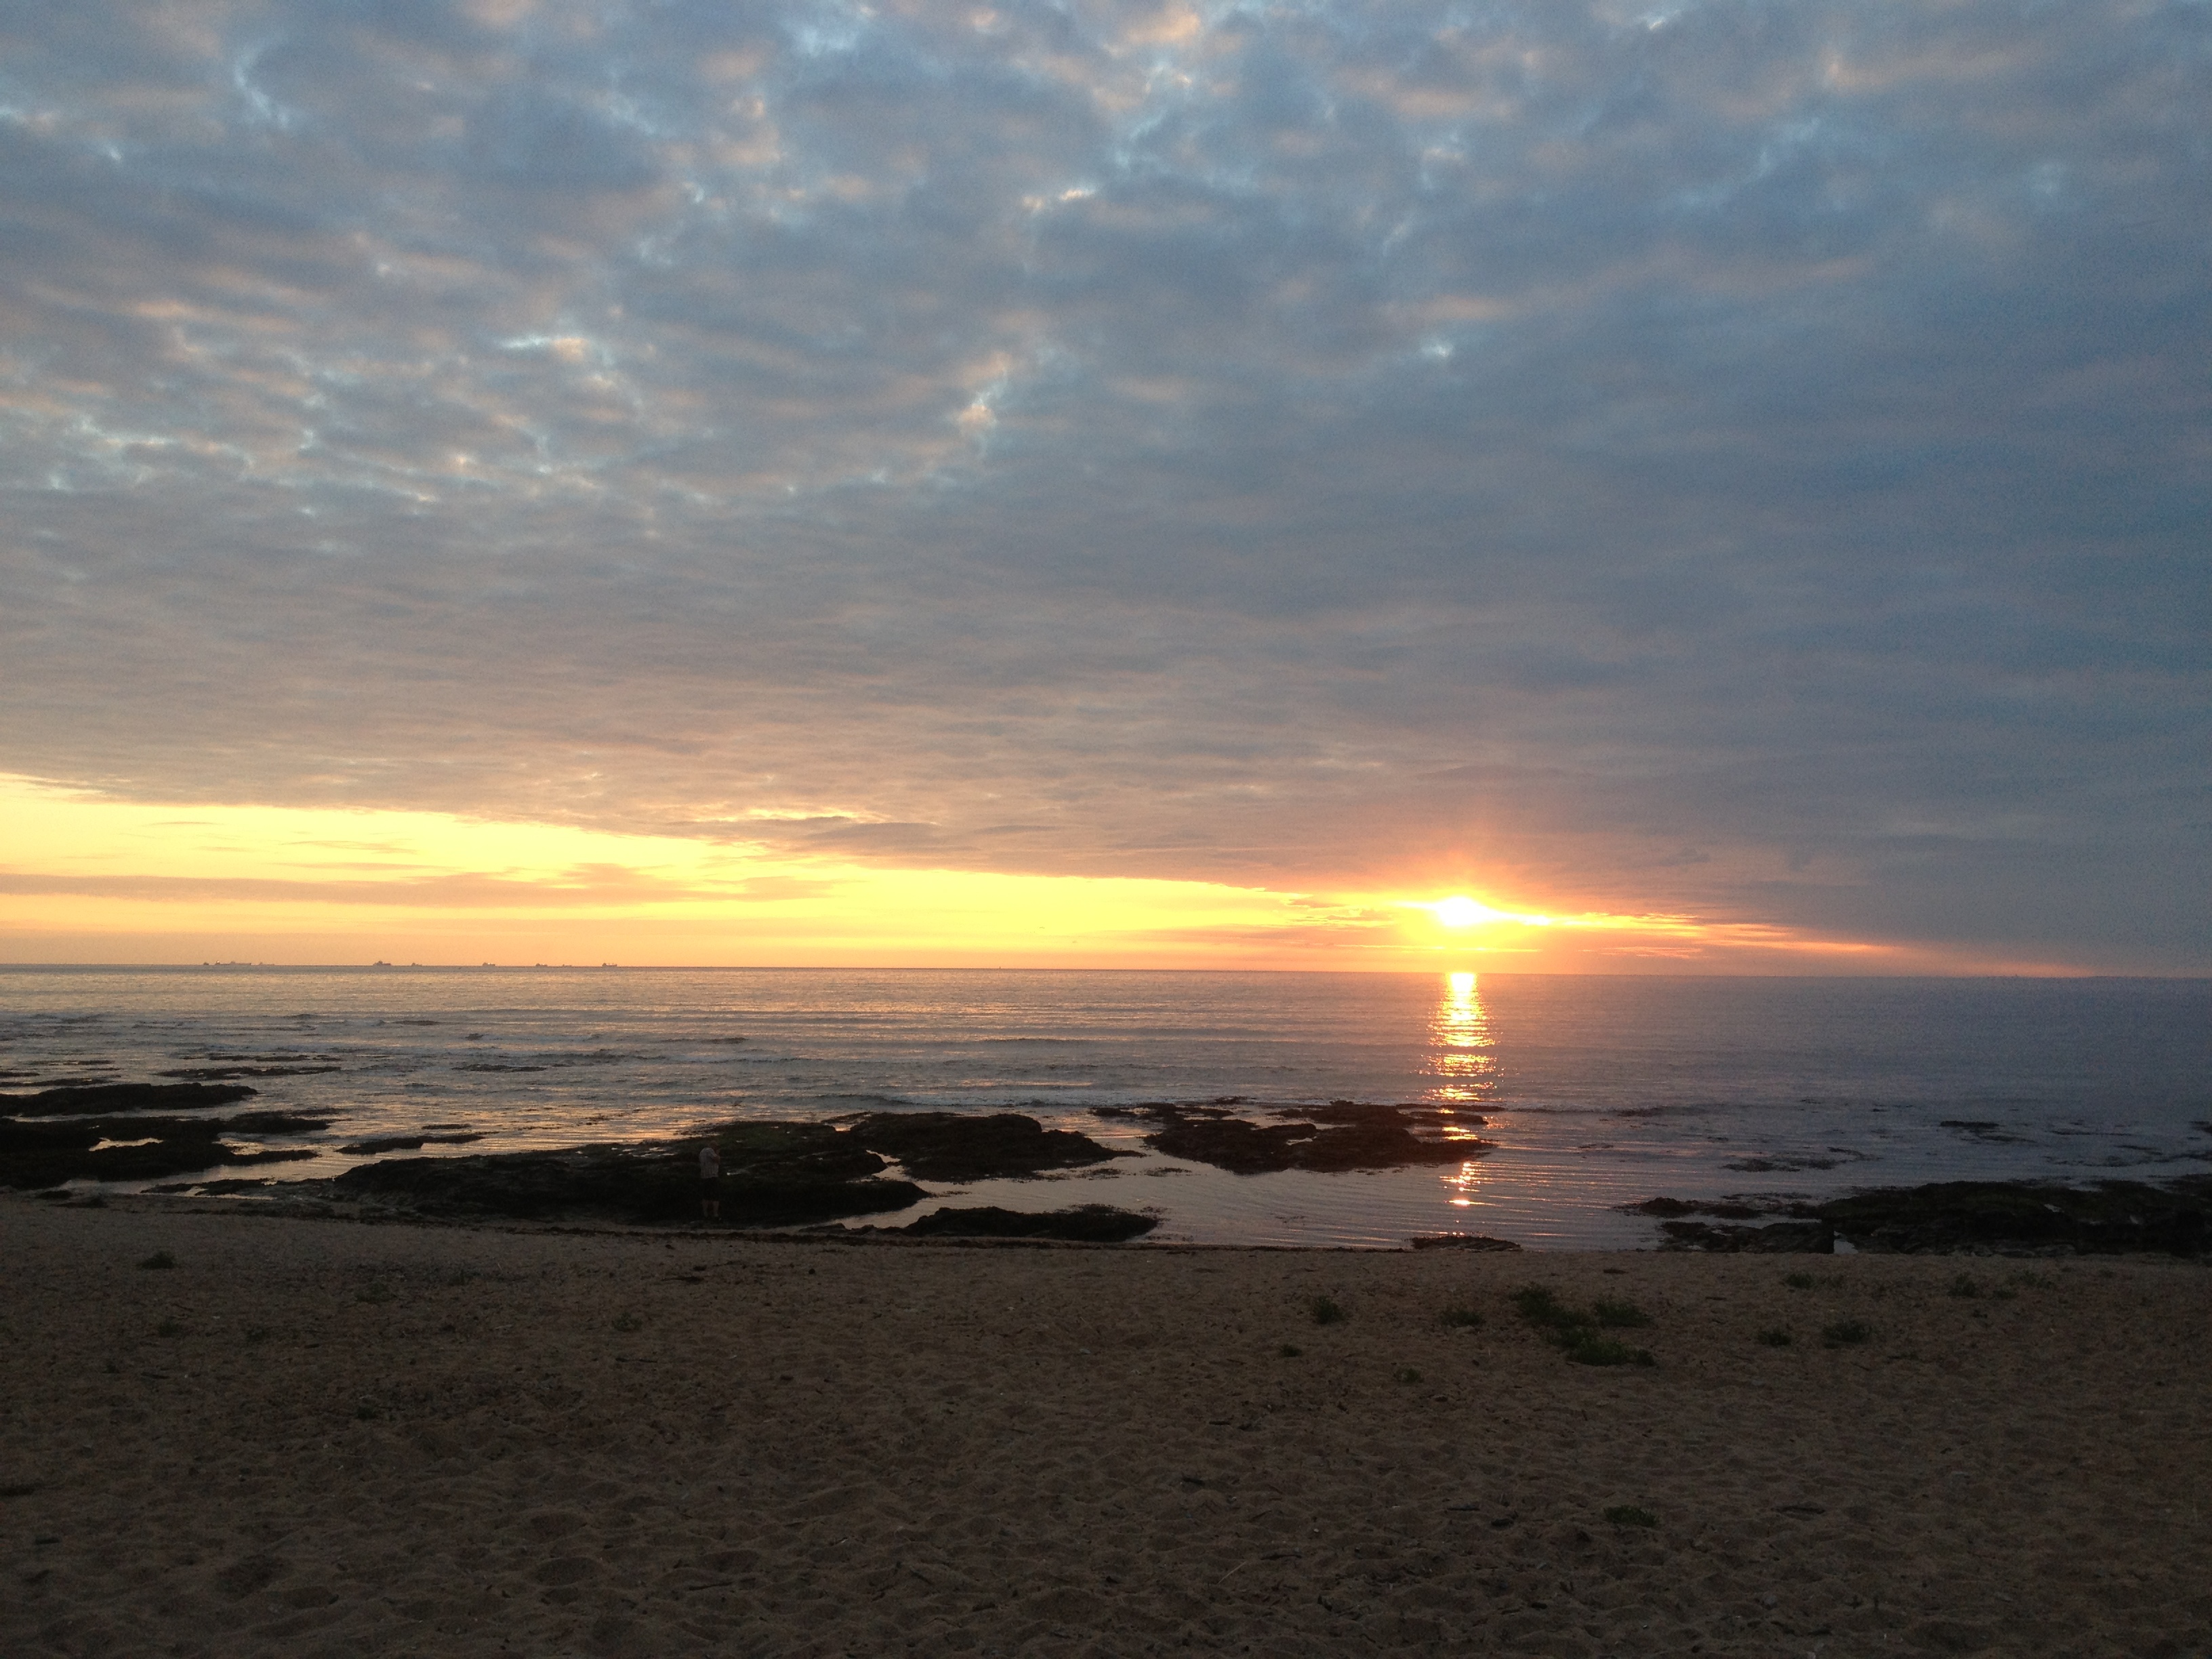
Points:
(1290, 1350)
(1630, 1515)
(168, 1328)
(1576, 1330)
(1325, 1311)
(1588, 1348)
(1540, 1308)
(1461, 1319)
(379, 1292)
(1404, 1374)
(1800, 1281)
(159, 1259)
(1845, 1333)
(1966, 1284)
(628, 1322)
(1776, 1337)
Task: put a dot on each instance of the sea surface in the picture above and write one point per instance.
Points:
(1597, 1092)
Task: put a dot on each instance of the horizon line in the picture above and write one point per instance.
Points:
(894, 968)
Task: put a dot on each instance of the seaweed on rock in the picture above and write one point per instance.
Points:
(1343, 1135)
(1950, 1216)
(47, 1154)
(1089, 1223)
(966, 1146)
(2110, 1216)
(72, 1099)
(773, 1174)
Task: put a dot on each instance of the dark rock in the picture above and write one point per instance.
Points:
(773, 1174)
(1461, 1241)
(47, 1154)
(964, 1147)
(1984, 1129)
(1089, 1223)
(222, 1073)
(1781, 1238)
(1342, 1136)
(1725, 1209)
(1780, 1165)
(405, 1144)
(124, 1098)
(2112, 1216)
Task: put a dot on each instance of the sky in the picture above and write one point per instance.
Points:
(1719, 487)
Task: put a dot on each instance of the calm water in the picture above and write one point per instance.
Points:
(1598, 1092)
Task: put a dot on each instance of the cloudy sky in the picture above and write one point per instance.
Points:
(1737, 473)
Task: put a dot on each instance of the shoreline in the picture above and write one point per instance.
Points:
(391, 1436)
(861, 1171)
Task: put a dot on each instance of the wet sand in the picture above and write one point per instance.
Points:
(312, 1437)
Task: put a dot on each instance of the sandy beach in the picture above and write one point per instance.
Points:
(314, 1438)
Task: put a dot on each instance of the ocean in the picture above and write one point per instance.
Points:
(1597, 1092)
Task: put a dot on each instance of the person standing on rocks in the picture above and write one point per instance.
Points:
(710, 1181)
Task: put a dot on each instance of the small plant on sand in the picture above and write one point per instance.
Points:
(1542, 1308)
(1845, 1333)
(365, 1412)
(1619, 1313)
(2029, 1279)
(1404, 1374)
(159, 1259)
(1630, 1515)
(1776, 1337)
(378, 1290)
(1575, 1331)
(1801, 1281)
(1966, 1284)
(628, 1322)
(255, 1334)
(1290, 1350)
(1588, 1348)
(1325, 1311)
(168, 1328)
(1461, 1319)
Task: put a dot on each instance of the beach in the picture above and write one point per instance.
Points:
(330, 1436)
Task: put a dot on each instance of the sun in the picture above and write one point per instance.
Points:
(1459, 911)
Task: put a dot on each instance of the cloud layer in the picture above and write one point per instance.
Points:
(1730, 458)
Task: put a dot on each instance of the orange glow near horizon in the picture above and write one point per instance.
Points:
(1460, 911)
(90, 879)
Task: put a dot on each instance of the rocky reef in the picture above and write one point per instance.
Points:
(1962, 1216)
(1087, 1224)
(962, 1146)
(74, 1099)
(773, 1174)
(34, 1154)
(1345, 1134)
(384, 1143)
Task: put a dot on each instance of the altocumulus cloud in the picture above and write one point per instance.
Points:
(1742, 458)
